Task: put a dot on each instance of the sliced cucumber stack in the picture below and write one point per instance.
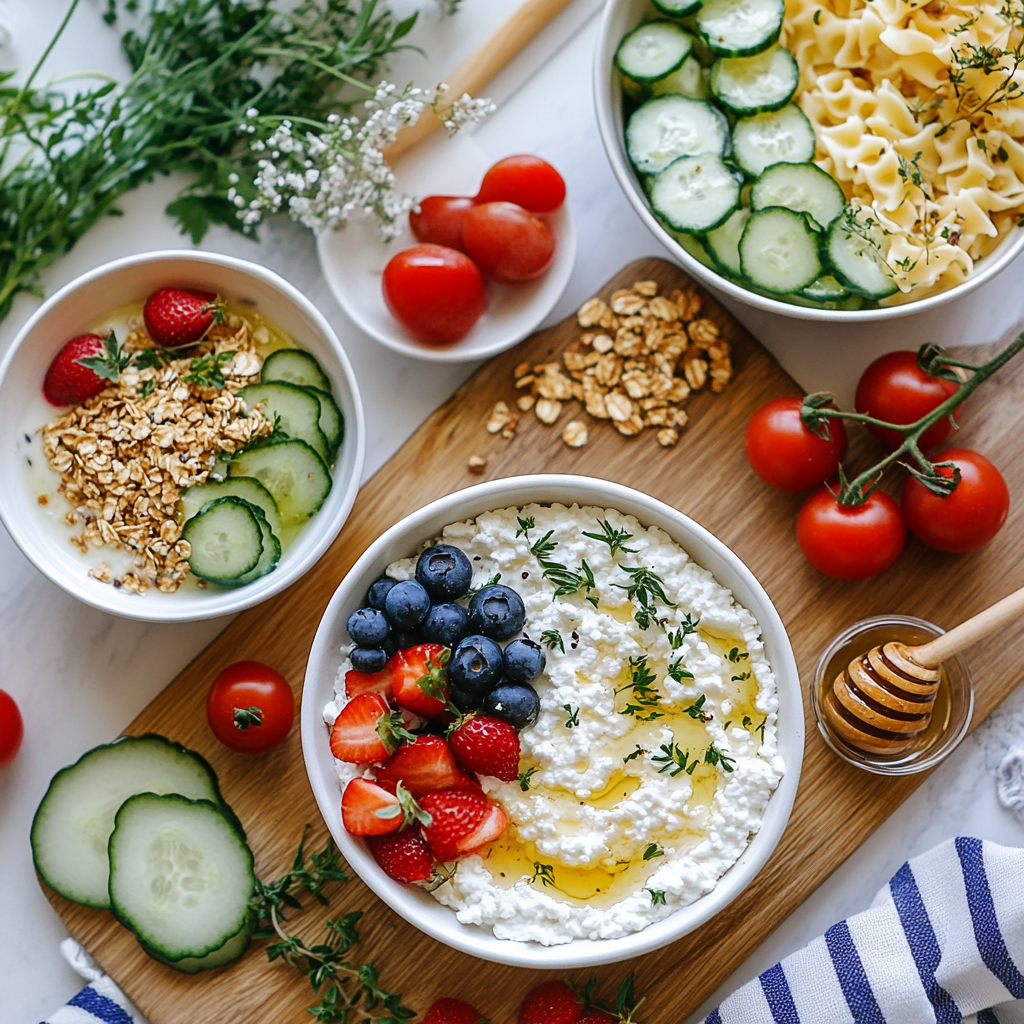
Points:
(854, 251)
(270, 553)
(332, 423)
(226, 540)
(723, 242)
(295, 366)
(669, 127)
(74, 821)
(689, 79)
(779, 251)
(695, 193)
(653, 50)
(292, 471)
(181, 877)
(752, 85)
(295, 411)
(740, 28)
(245, 487)
(782, 136)
(805, 188)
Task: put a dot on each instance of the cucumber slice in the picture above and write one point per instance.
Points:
(332, 423)
(781, 137)
(294, 474)
(653, 50)
(245, 487)
(76, 816)
(181, 877)
(294, 408)
(695, 247)
(751, 85)
(668, 127)
(677, 8)
(740, 28)
(853, 248)
(779, 251)
(231, 950)
(724, 241)
(271, 551)
(689, 79)
(825, 289)
(295, 366)
(695, 193)
(805, 188)
(226, 540)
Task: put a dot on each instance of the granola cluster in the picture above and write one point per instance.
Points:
(125, 455)
(636, 362)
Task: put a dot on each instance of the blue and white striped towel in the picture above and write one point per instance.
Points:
(100, 1002)
(942, 943)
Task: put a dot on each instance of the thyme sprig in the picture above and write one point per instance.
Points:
(642, 690)
(818, 409)
(644, 587)
(615, 539)
(566, 581)
(674, 761)
(551, 639)
(109, 365)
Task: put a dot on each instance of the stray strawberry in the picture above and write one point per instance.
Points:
(369, 682)
(367, 730)
(493, 825)
(487, 746)
(403, 856)
(551, 1003)
(180, 316)
(420, 680)
(83, 368)
(453, 1011)
(423, 767)
(455, 814)
(371, 810)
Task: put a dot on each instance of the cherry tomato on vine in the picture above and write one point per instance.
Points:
(508, 243)
(850, 541)
(895, 389)
(785, 454)
(435, 291)
(966, 519)
(250, 707)
(439, 219)
(528, 181)
(12, 729)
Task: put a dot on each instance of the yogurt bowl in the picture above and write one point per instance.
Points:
(717, 575)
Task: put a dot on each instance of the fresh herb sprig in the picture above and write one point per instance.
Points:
(685, 628)
(551, 639)
(109, 365)
(208, 371)
(674, 761)
(615, 539)
(566, 581)
(642, 690)
(644, 587)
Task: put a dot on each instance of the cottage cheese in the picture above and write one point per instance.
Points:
(606, 840)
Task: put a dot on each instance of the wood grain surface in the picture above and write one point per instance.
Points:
(707, 477)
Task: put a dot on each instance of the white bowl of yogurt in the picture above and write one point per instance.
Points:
(32, 506)
(685, 844)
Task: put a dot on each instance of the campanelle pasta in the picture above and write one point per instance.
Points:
(874, 81)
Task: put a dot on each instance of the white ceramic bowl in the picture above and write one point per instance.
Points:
(92, 295)
(618, 18)
(403, 539)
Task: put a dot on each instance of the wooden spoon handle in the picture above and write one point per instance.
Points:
(478, 69)
(933, 653)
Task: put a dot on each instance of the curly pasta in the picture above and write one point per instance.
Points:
(913, 128)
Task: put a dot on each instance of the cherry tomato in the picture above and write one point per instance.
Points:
(439, 219)
(966, 519)
(11, 728)
(435, 291)
(508, 243)
(530, 182)
(895, 389)
(850, 541)
(250, 707)
(785, 454)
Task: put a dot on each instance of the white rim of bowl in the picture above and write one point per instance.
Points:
(228, 602)
(605, 99)
(481, 942)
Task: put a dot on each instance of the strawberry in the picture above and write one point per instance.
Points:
(453, 1011)
(455, 814)
(419, 678)
(367, 730)
(551, 1003)
(369, 682)
(83, 368)
(371, 810)
(403, 856)
(494, 823)
(423, 767)
(180, 316)
(487, 746)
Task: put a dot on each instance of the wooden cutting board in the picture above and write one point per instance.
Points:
(707, 477)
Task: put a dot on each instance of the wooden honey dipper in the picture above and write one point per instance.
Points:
(883, 700)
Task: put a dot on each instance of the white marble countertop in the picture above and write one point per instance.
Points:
(80, 676)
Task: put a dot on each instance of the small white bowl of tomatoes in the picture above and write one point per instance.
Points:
(470, 276)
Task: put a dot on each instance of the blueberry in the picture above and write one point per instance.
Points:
(475, 667)
(524, 661)
(378, 591)
(445, 571)
(445, 624)
(368, 659)
(404, 638)
(406, 605)
(497, 612)
(464, 701)
(368, 627)
(390, 644)
(518, 705)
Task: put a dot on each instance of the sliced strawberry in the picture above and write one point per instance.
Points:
(403, 856)
(70, 382)
(367, 730)
(494, 823)
(551, 1003)
(455, 814)
(487, 746)
(453, 1011)
(371, 810)
(423, 767)
(369, 682)
(180, 316)
(420, 679)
